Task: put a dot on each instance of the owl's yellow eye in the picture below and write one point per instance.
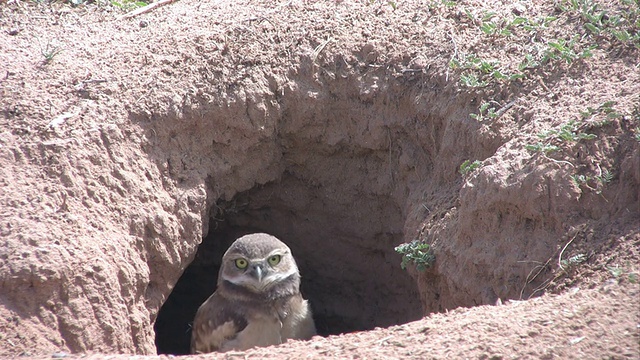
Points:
(274, 260)
(241, 263)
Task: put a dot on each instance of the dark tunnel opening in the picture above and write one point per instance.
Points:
(353, 280)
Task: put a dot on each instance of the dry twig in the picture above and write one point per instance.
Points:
(145, 9)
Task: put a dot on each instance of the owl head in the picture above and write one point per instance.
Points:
(259, 264)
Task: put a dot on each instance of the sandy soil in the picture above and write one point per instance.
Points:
(132, 149)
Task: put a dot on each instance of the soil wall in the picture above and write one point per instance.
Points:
(147, 144)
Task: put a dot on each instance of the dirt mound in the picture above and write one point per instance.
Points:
(133, 151)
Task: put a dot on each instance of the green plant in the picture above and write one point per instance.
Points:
(573, 261)
(467, 166)
(444, 3)
(540, 147)
(615, 24)
(567, 132)
(490, 27)
(417, 253)
(580, 179)
(471, 80)
(472, 62)
(567, 50)
(595, 183)
(605, 177)
(128, 5)
(485, 110)
(605, 108)
(478, 72)
(618, 272)
(531, 25)
(49, 51)
(615, 271)
(529, 62)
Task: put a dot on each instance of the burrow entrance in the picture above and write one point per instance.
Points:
(350, 272)
(340, 178)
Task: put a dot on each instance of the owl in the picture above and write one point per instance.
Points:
(257, 301)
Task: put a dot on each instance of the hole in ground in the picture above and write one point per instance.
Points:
(341, 179)
(343, 246)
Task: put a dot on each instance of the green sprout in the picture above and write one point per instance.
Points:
(467, 166)
(416, 252)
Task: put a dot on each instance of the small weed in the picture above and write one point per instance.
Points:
(529, 62)
(473, 62)
(467, 166)
(605, 108)
(567, 132)
(520, 22)
(416, 252)
(620, 24)
(605, 177)
(445, 3)
(490, 27)
(540, 147)
(470, 80)
(595, 183)
(49, 51)
(573, 261)
(624, 36)
(486, 23)
(580, 179)
(479, 72)
(618, 272)
(485, 110)
(615, 271)
(128, 5)
(499, 75)
(469, 15)
(636, 134)
(567, 50)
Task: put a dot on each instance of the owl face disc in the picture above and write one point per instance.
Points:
(258, 274)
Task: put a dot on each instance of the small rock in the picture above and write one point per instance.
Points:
(518, 9)
(13, 31)
(609, 285)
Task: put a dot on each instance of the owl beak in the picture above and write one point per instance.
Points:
(257, 272)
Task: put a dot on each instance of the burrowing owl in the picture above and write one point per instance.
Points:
(257, 301)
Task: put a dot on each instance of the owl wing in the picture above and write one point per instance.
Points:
(215, 323)
(299, 323)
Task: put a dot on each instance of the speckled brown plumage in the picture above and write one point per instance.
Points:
(257, 301)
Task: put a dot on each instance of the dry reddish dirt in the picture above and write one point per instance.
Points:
(133, 156)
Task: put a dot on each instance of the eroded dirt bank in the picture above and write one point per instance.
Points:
(339, 128)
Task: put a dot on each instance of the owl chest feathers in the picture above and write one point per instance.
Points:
(272, 326)
(250, 324)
